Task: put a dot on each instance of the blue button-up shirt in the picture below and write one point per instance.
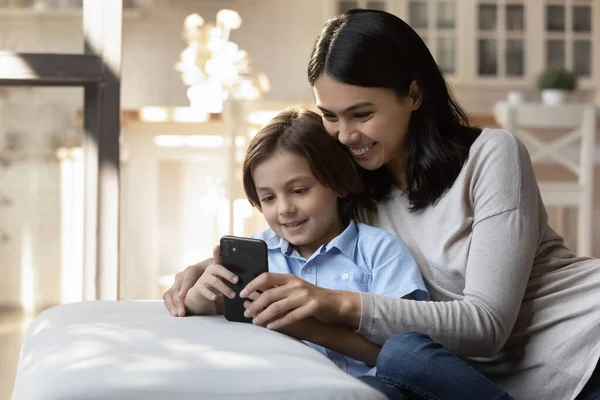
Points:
(361, 259)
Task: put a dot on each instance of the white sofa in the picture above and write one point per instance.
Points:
(136, 350)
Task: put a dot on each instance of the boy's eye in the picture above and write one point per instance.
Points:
(363, 115)
(267, 199)
(328, 117)
(300, 191)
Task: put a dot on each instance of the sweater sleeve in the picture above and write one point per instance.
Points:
(503, 242)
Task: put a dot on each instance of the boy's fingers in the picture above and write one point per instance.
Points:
(265, 281)
(215, 283)
(221, 271)
(205, 291)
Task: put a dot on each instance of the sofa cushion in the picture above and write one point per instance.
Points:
(137, 350)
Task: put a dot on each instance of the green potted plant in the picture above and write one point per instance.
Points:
(554, 83)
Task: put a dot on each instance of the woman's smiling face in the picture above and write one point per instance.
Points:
(371, 122)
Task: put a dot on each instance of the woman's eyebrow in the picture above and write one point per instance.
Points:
(349, 109)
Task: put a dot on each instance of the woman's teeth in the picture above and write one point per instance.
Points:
(361, 150)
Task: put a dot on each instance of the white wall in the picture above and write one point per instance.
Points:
(32, 222)
(152, 43)
(171, 217)
(30, 180)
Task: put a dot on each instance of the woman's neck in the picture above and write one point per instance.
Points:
(398, 169)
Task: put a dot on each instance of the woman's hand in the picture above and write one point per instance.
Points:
(174, 297)
(285, 299)
(210, 288)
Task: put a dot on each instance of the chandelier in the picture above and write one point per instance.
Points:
(215, 68)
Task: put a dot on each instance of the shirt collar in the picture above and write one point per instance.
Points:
(275, 242)
(345, 242)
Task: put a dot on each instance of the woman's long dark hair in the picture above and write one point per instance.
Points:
(376, 49)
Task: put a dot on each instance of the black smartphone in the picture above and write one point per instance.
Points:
(246, 258)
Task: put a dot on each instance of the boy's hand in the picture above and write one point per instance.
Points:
(284, 299)
(200, 299)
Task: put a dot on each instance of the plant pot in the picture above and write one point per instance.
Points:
(515, 97)
(554, 97)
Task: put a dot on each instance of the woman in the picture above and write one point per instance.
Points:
(508, 296)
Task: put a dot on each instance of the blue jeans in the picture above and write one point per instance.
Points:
(412, 366)
(591, 391)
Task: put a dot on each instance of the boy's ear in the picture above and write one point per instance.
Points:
(414, 92)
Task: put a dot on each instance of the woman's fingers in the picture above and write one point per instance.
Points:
(171, 296)
(169, 302)
(174, 297)
(190, 276)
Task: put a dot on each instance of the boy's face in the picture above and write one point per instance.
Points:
(295, 204)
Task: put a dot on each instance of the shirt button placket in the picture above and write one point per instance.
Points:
(308, 275)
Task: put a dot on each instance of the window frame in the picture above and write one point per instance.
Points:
(569, 36)
(432, 32)
(533, 35)
(502, 36)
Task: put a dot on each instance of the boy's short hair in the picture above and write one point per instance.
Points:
(299, 131)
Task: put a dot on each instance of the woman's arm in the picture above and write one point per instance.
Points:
(286, 299)
(502, 245)
(347, 342)
(174, 297)
(335, 337)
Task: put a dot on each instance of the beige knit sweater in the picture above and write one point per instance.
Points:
(507, 294)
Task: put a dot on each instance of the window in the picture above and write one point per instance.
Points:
(345, 5)
(569, 35)
(501, 39)
(435, 22)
